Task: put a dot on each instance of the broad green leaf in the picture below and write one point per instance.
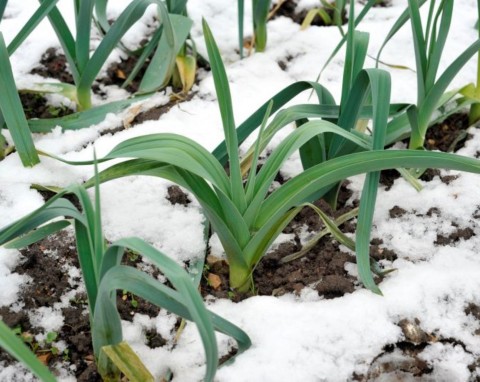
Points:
(358, 20)
(101, 14)
(299, 188)
(147, 51)
(250, 186)
(177, 150)
(226, 110)
(431, 101)
(84, 25)
(420, 48)
(82, 119)
(54, 208)
(38, 234)
(148, 288)
(436, 46)
(162, 65)
(15, 347)
(281, 153)
(3, 6)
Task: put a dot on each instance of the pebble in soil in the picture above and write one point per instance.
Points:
(404, 360)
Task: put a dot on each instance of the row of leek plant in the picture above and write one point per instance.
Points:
(167, 41)
(245, 217)
(103, 275)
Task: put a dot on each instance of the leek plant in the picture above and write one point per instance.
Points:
(103, 276)
(185, 62)
(331, 13)
(260, 10)
(246, 219)
(431, 87)
(164, 45)
(85, 67)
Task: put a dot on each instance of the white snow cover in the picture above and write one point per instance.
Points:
(294, 338)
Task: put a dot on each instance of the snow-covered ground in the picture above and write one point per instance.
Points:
(295, 338)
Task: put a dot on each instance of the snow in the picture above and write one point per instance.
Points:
(296, 338)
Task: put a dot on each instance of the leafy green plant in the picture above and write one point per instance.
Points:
(103, 276)
(247, 219)
(429, 43)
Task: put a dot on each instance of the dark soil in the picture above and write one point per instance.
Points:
(379, 3)
(156, 112)
(456, 236)
(322, 268)
(447, 136)
(36, 106)
(54, 65)
(177, 196)
(118, 72)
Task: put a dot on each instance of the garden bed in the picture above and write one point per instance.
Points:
(309, 319)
